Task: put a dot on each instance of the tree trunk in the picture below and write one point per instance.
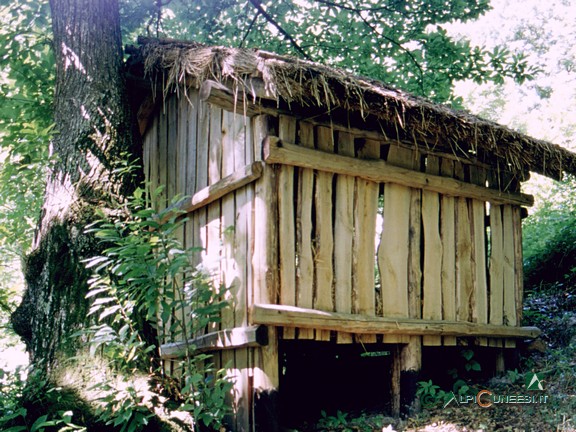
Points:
(93, 133)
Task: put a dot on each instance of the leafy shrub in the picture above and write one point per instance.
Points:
(549, 240)
(145, 288)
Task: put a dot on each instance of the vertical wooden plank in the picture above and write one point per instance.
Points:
(241, 250)
(393, 252)
(200, 164)
(213, 246)
(304, 232)
(172, 169)
(343, 236)
(364, 241)
(265, 268)
(153, 156)
(496, 269)
(509, 317)
(146, 144)
(162, 183)
(518, 266)
(411, 352)
(245, 241)
(201, 179)
(287, 224)
(179, 134)
(191, 111)
(432, 274)
(230, 270)
(448, 236)
(324, 241)
(464, 275)
(408, 356)
(480, 313)
(162, 158)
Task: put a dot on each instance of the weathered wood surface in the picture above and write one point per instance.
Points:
(509, 312)
(465, 300)
(305, 231)
(478, 214)
(364, 240)
(394, 248)
(264, 261)
(448, 236)
(283, 152)
(496, 269)
(230, 183)
(433, 251)
(293, 316)
(287, 224)
(343, 236)
(239, 337)
(324, 240)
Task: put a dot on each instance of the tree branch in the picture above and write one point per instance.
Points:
(361, 9)
(258, 5)
(249, 28)
(399, 45)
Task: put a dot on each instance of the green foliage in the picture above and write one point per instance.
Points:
(549, 239)
(430, 394)
(26, 88)
(144, 289)
(337, 422)
(402, 43)
(15, 418)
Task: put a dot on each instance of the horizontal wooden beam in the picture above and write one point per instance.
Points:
(240, 337)
(291, 316)
(203, 197)
(282, 152)
(243, 101)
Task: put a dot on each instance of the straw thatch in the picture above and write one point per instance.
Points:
(399, 115)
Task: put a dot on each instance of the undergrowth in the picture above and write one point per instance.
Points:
(145, 290)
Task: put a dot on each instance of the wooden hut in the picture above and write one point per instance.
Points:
(337, 210)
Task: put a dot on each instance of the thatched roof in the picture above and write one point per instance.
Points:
(399, 115)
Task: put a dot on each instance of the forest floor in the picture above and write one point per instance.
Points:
(552, 357)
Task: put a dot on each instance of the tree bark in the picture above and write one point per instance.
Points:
(93, 133)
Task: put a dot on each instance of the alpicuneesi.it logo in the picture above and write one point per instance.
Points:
(485, 398)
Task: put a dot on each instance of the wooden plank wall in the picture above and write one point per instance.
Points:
(189, 146)
(436, 257)
(315, 239)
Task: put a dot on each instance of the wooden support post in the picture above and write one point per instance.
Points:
(500, 363)
(410, 366)
(266, 376)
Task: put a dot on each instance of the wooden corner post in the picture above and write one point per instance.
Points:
(265, 274)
